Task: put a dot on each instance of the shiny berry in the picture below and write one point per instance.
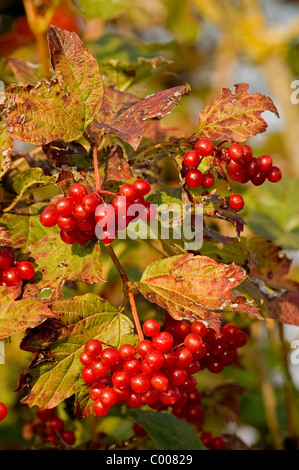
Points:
(193, 342)
(48, 217)
(274, 175)
(235, 152)
(25, 270)
(236, 202)
(194, 178)
(208, 180)
(204, 147)
(108, 396)
(191, 159)
(90, 203)
(100, 409)
(93, 348)
(265, 162)
(110, 356)
(160, 382)
(11, 277)
(127, 352)
(3, 411)
(77, 192)
(6, 259)
(68, 437)
(128, 191)
(163, 341)
(151, 328)
(142, 187)
(64, 206)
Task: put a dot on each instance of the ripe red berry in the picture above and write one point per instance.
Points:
(184, 358)
(110, 356)
(128, 191)
(67, 224)
(142, 187)
(127, 352)
(228, 357)
(217, 443)
(194, 396)
(160, 382)
(274, 175)
(199, 328)
(259, 178)
(236, 202)
(121, 379)
(177, 376)
(247, 153)
(194, 178)
(236, 152)
(107, 236)
(69, 237)
(149, 212)
(208, 180)
(95, 389)
(25, 270)
(140, 383)
(48, 217)
(100, 409)
(56, 424)
(46, 415)
(265, 162)
(120, 205)
(231, 331)
(90, 202)
(10, 277)
(3, 411)
(108, 396)
(252, 167)
(235, 167)
(79, 212)
(6, 259)
(150, 397)
(51, 438)
(77, 192)
(64, 206)
(189, 384)
(170, 396)
(88, 375)
(155, 359)
(132, 366)
(215, 365)
(193, 342)
(242, 339)
(68, 437)
(181, 329)
(163, 341)
(206, 439)
(191, 159)
(134, 400)
(100, 368)
(151, 328)
(144, 347)
(204, 147)
(105, 215)
(194, 413)
(93, 348)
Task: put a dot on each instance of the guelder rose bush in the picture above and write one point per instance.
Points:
(95, 145)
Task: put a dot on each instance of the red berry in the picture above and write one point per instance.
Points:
(105, 215)
(48, 217)
(100, 368)
(108, 396)
(177, 376)
(150, 397)
(138, 430)
(155, 359)
(144, 347)
(85, 359)
(160, 382)
(191, 158)
(194, 413)
(247, 153)
(151, 328)
(77, 192)
(107, 236)
(242, 339)
(121, 379)
(232, 332)
(258, 179)
(140, 383)
(265, 162)
(215, 365)
(46, 415)
(146, 369)
(67, 224)
(194, 396)
(6, 259)
(189, 384)
(69, 237)
(236, 202)
(142, 187)
(170, 396)
(128, 191)
(194, 178)
(234, 167)
(149, 212)
(25, 270)
(110, 356)
(204, 147)
(3, 411)
(184, 358)
(181, 329)
(194, 367)
(193, 342)
(253, 167)
(64, 206)
(88, 375)
(93, 348)
(90, 203)
(208, 180)
(100, 409)
(274, 175)
(95, 389)
(236, 152)
(10, 277)
(132, 366)
(51, 438)
(127, 352)
(163, 341)
(120, 205)
(79, 212)
(56, 424)
(170, 358)
(217, 443)
(68, 437)
(134, 401)
(206, 439)
(199, 328)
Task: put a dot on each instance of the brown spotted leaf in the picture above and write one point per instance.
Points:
(62, 108)
(285, 308)
(56, 263)
(55, 373)
(114, 166)
(195, 288)
(17, 316)
(6, 144)
(235, 115)
(126, 116)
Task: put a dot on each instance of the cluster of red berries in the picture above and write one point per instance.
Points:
(241, 166)
(78, 214)
(212, 443)
(3, 411)
(53, 428)
(13, 272)
(159, 372)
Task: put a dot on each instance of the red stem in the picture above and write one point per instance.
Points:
(96, 169)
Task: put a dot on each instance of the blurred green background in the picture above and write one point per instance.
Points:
(208, 44)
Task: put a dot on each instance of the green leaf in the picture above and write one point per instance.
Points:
(167, 431)
(62, 108)
(103, 9)
(59, 342)
(56, 263)
(17, 316)
(6, 143)
(195, 288)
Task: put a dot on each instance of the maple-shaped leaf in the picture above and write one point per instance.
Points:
(195, 288)
(62, 108)
(56, 263)
(267, 263)
(235, 115)
(6, 144)
(126, 116)
(55, 372)
(17, 316)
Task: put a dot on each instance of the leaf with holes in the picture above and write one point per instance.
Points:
(235, 116)
(59, 342)
(195, 288)
(56, 263)
(127, 116)
(17, 316)
(62, 108)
